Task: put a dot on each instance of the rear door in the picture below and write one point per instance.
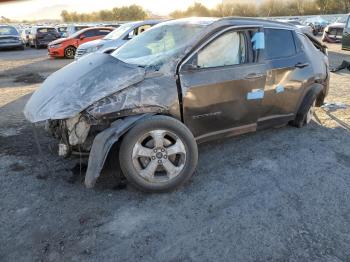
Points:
(346, 36)
(288, 72)
(223, 84)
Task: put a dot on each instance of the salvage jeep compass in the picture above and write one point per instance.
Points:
(178, 84)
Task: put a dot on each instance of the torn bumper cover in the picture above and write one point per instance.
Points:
(75, 87)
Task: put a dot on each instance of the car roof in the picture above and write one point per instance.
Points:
(145, 22)
(256, 21)
(42, 26)
(232, 21)
(3, 25)
(96, 27)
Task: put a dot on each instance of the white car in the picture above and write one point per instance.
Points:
(115, 39)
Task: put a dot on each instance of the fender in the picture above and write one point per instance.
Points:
(102, 144)
(312, 93)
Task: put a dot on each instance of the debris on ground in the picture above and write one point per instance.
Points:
(343, 65)
(31, 78)
(335, 106)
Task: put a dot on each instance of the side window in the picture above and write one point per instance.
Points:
(228, 49)
(279, 43)
(91, 33)
(142, 29)
(103, 32)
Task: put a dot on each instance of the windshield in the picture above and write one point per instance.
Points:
(158, 44)
(118, 32)
(62, 29)
(8, 30)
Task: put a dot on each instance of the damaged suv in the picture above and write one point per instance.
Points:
(180, 83)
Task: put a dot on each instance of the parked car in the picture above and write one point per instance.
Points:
(346, 35)
(10, 38)
(72, 29)
(111, 25)
(116, 38)
(318, 24)
(306, 29)
(40, 36)
(66, 47)
(25, 36)
(333, 33)
(62, 30)
(181, 83)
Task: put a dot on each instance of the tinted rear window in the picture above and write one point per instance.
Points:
(279, 43)
(46, 30)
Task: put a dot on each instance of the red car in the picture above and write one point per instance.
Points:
(65, 47)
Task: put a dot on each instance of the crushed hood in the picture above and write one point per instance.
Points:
(73, 88)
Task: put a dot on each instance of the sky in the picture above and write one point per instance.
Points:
(39, 9)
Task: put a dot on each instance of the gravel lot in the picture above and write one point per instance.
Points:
(277, 195)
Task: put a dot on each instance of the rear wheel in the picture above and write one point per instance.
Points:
(159, 154)
(69, 52)
(304, 117)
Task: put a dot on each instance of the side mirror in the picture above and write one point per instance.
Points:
(81, 37)
(130, 37)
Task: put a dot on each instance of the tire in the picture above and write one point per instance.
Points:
(171, 158)
(305, 113)
(69, 52)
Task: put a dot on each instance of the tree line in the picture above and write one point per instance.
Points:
(266, 9)
(125, 13)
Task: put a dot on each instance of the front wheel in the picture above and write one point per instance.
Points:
(159, 154)
(69, 52)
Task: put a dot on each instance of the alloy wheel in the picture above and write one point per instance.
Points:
(159, 156)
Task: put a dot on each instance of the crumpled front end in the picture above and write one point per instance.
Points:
(73, 88)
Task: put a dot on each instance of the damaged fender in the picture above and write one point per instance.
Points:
(102, 144)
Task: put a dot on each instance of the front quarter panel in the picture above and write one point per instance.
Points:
(157, 94)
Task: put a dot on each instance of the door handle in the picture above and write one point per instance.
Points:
(301, 65)
(253, 76)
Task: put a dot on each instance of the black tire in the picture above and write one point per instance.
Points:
(138, 131)
(69, 52)
(308, 104)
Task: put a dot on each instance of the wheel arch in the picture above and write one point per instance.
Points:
(103, 144)
(313, 92)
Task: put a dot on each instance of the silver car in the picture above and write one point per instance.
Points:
(303, 28)
(115, 39)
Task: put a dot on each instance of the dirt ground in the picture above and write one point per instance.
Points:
(277, 195)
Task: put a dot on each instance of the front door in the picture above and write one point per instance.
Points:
(346, 36)
(223, 84)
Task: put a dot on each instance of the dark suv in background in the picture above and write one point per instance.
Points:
(346, 35)
(40, 36)
(180, 83)
(10, 38)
